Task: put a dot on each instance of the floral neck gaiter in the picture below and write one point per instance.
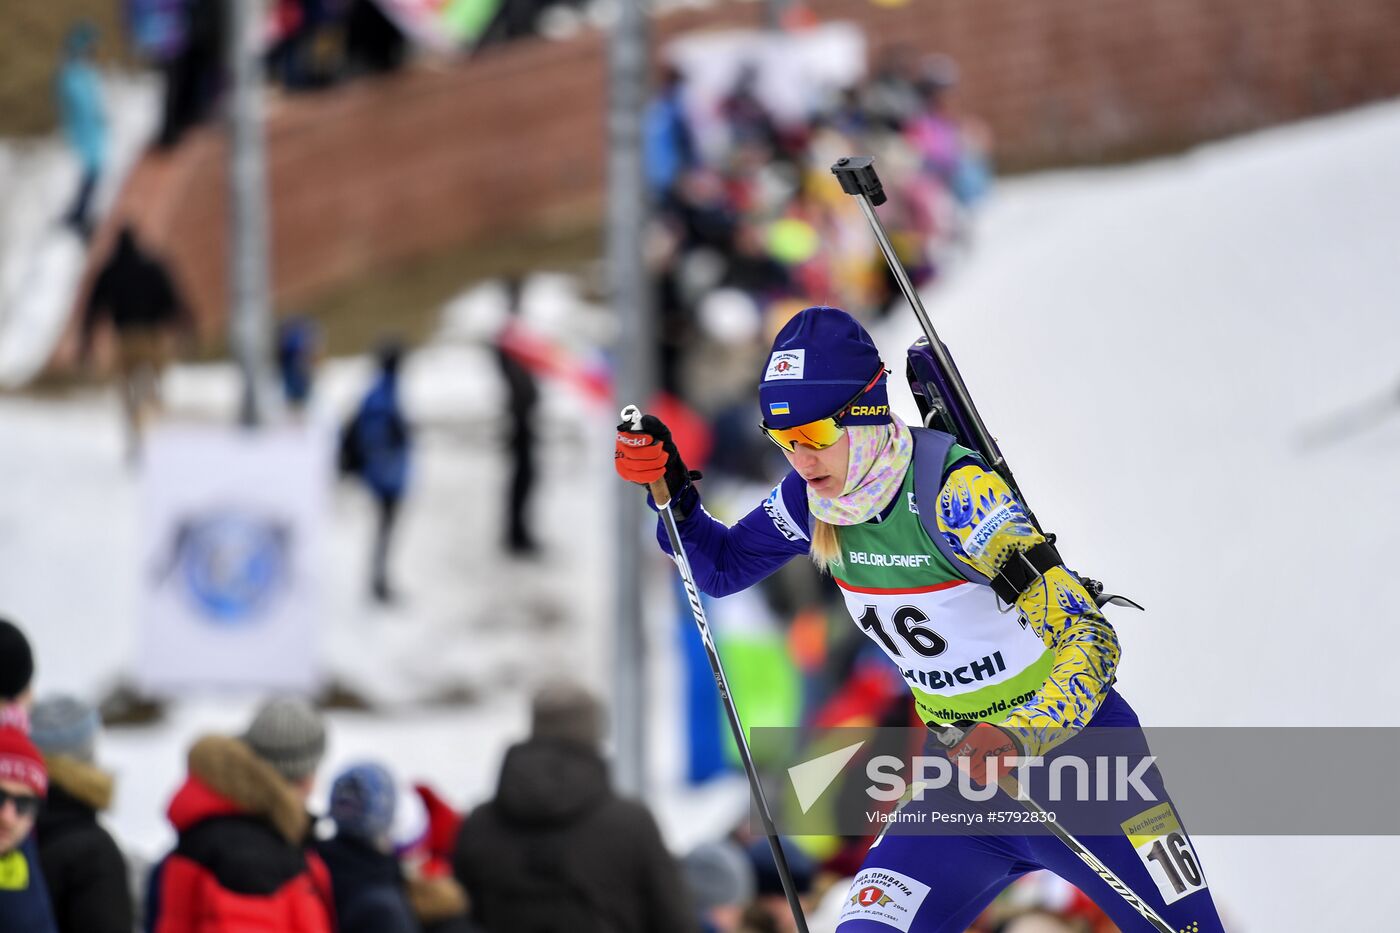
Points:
(880, 455)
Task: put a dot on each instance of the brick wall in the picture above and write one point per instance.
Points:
(374, 173)
(1075, 80)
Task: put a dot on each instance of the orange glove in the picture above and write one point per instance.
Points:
(647, 453)
(982, 743)
(642, 455)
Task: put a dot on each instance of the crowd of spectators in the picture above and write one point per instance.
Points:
(554, 849)
(309, 44)
(751, 226)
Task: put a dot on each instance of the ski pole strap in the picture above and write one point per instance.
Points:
(1022, 569)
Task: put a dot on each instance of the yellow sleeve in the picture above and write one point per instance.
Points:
(985, 524)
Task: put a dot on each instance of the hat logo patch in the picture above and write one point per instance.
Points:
(786, 364)
(778, 408)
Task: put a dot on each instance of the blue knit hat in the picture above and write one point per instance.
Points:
(362, 802)
(64, 725)
(820, 359)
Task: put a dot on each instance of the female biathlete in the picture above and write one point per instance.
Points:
(929, 590)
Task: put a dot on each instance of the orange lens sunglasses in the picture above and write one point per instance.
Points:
(821, 433)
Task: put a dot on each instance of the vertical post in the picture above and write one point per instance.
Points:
(248, 261)
(627, 217)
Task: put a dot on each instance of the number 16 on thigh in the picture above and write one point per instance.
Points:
(1166, 852)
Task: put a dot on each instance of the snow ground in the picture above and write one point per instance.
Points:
(1154, 345)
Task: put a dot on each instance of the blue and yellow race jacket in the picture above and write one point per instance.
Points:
(1040, 672)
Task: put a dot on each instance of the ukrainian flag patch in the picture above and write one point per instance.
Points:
(778, 408)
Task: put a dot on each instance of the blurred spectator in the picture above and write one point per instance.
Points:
(156, 28)
(770, 912)
(372, 892)
(84, 120)
(289, 32)
(84, 868)
(298, 347)
(510, 19)
(308, 49)
(16, 674)
(242, 860)
(557, 849)
(1037, 921)
(24, 899)
(890, 98)
(668, 146)
(931, 131)
(972, 179)
(522, 397)
(747, 118)
(376, 446)
(753, 268)
(373, 44)
(721, 882)
(370, 895)
(431, 854)
(136, 291)
(193, 58)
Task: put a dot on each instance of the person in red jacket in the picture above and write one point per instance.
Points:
(242, 863)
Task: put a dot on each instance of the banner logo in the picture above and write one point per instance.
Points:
(230, 564)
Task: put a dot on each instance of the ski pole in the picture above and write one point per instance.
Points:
(662, 496)
(950, 736)
(858, 178)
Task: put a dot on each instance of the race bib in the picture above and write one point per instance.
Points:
(1166, 852)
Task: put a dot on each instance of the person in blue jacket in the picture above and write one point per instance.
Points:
(940, 565)
(377, 446)
(668, 145)
(298, 346)
(374, 893)
(84, 120)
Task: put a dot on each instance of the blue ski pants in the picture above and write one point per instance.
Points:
(921, 881)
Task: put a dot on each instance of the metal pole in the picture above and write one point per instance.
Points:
(249, 290)
(627, 216)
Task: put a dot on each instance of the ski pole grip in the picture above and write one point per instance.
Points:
(857, 176)
(660, 494)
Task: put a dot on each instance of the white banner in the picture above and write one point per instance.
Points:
(232, 539)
